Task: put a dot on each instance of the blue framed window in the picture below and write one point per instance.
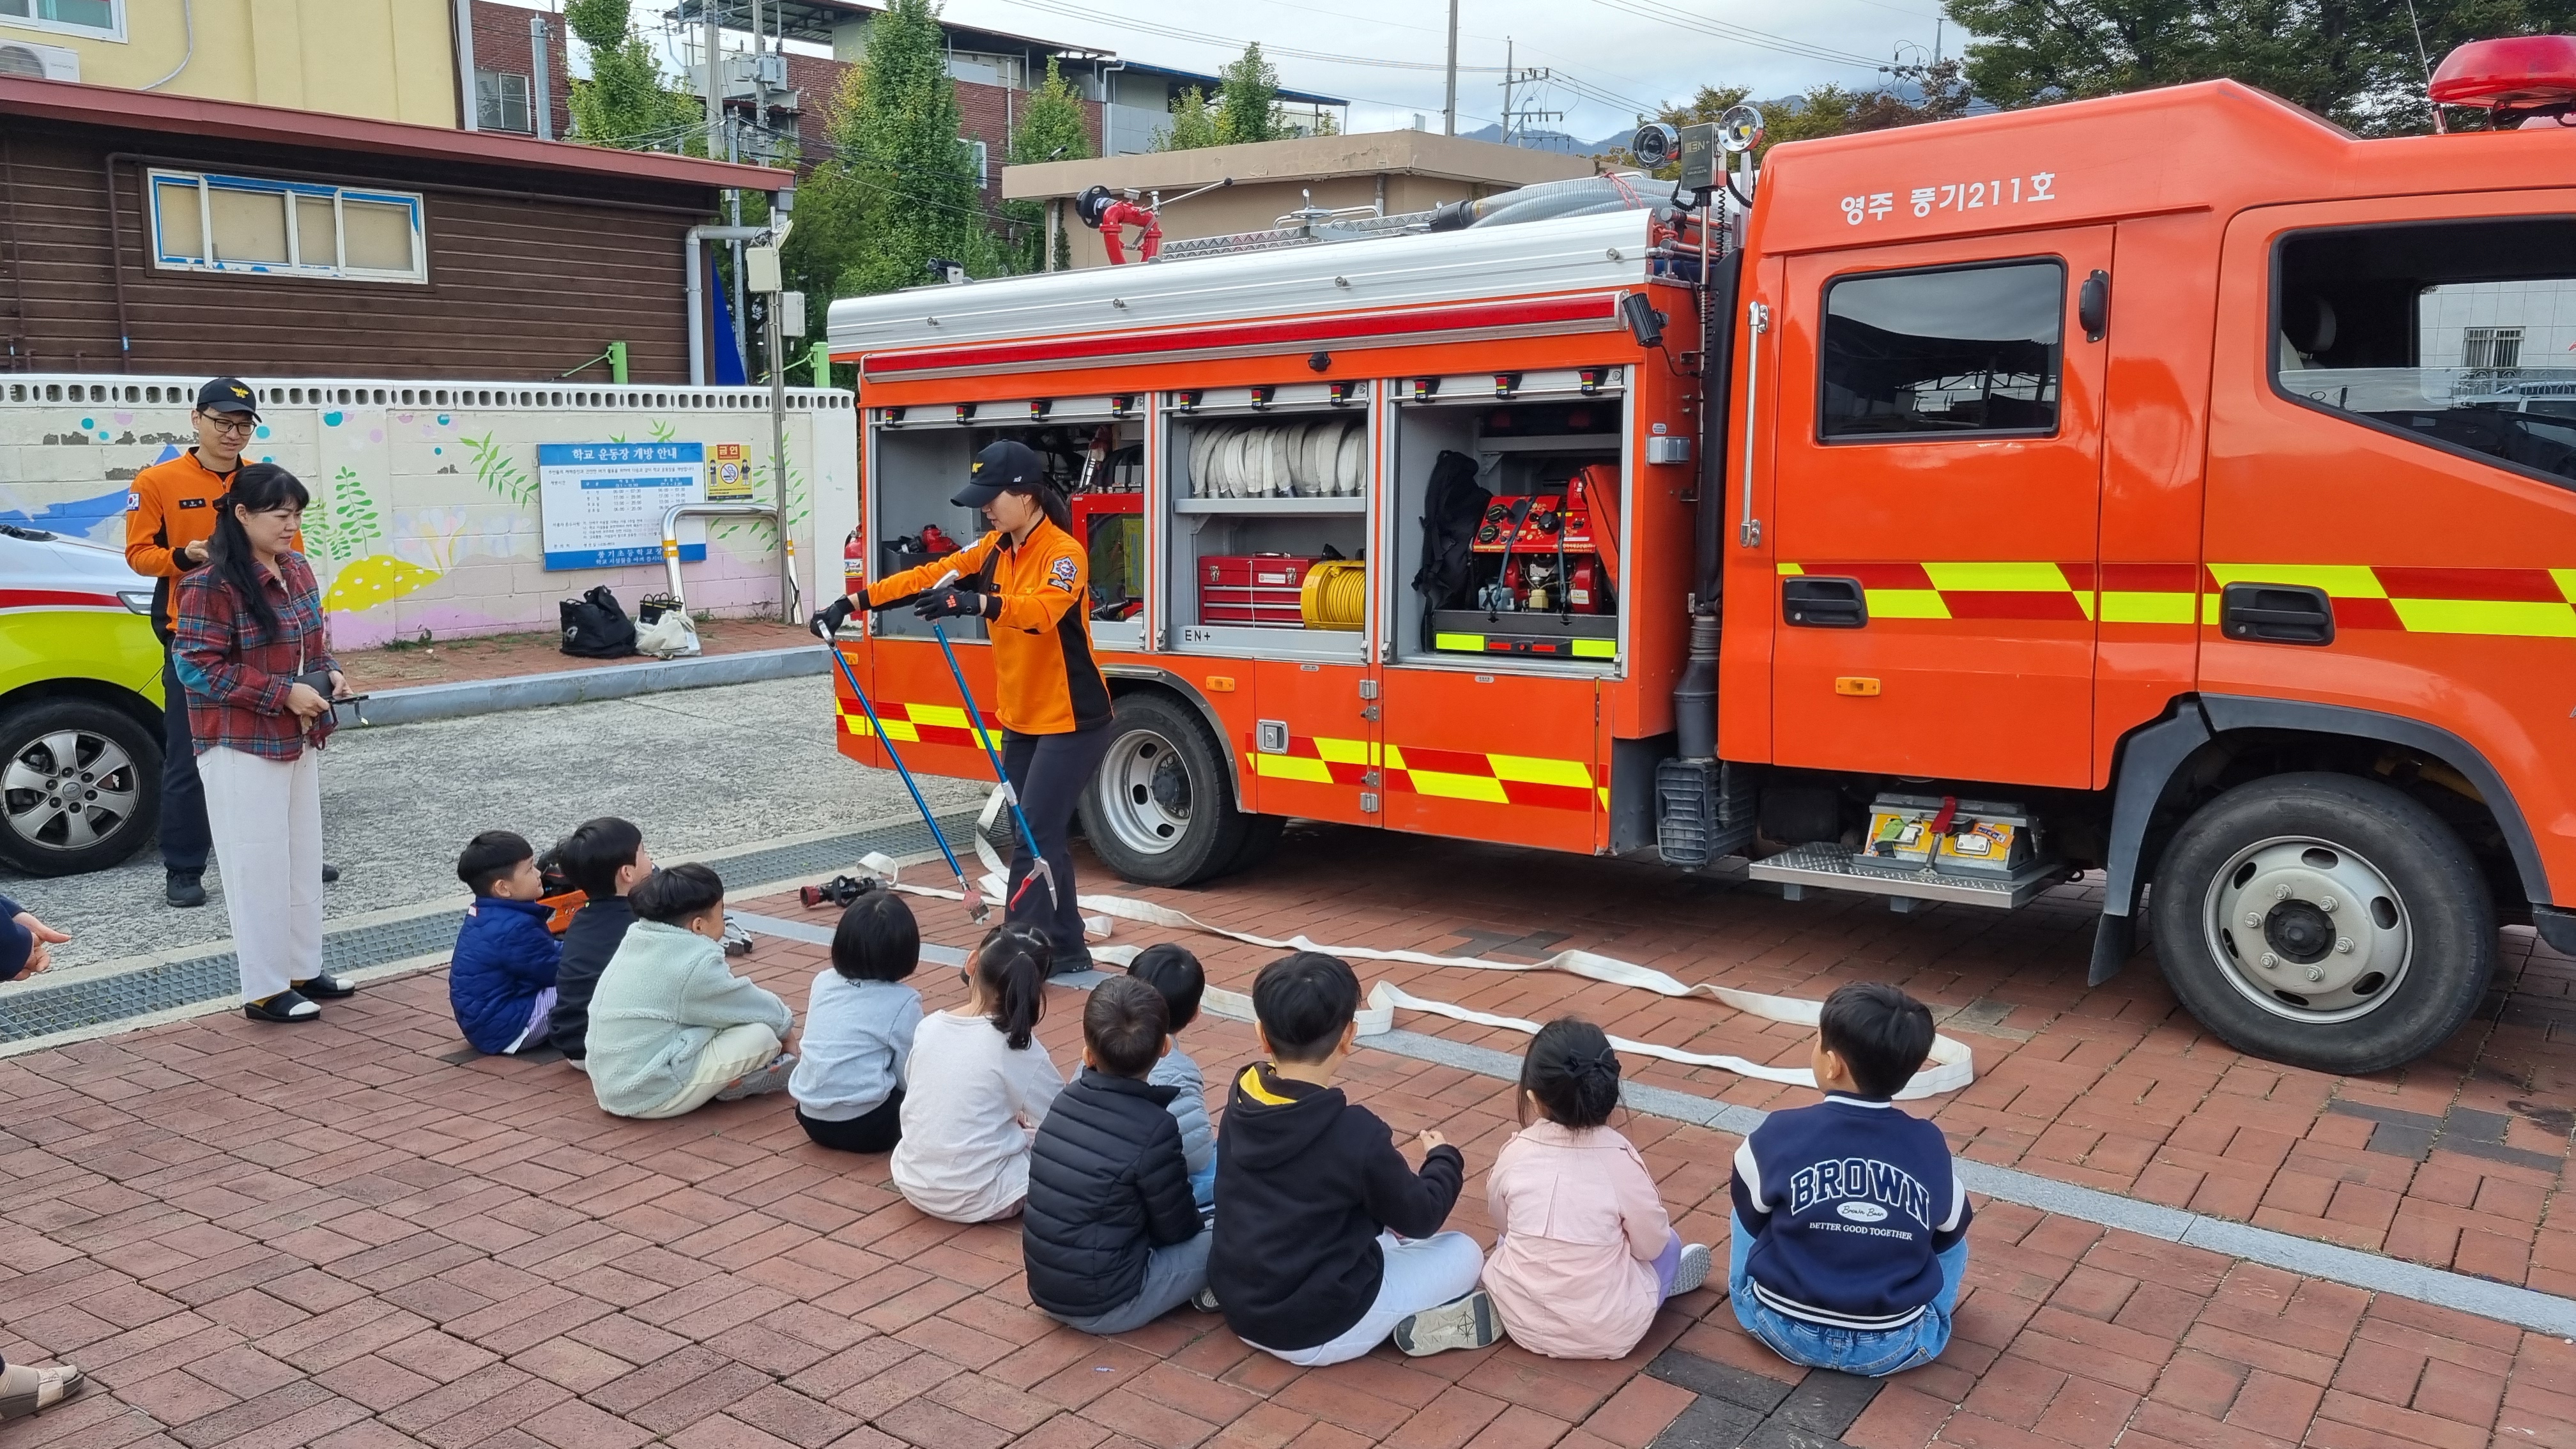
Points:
(210, 223)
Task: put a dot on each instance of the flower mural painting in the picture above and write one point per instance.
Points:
(377, 579)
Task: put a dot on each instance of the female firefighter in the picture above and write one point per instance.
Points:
(1030, 582)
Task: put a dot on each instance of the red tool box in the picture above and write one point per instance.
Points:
(1262, 589)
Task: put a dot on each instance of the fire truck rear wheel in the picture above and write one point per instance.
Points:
(2326, 921)
(1162, 810)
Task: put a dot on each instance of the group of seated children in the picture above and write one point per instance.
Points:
(636, 994)
(1298, 1218)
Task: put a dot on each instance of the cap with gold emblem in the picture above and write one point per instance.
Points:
(1001, 466)
(228, 395)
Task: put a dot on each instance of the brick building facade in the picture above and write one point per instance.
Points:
(504, 79)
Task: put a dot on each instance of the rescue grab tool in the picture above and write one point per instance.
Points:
(1038, 867)
(975, 906)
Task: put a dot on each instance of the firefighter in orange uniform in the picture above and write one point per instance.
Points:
(1029, 581)
(169, 515)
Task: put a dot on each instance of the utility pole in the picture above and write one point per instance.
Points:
(1507, 90)
(714, 45)
(1449, 111)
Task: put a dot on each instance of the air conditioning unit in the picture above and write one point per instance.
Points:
(39, 62)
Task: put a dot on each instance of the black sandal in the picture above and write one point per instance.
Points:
(285, 1006)
(327, 987)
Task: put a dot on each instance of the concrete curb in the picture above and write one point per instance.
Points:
(575, 686)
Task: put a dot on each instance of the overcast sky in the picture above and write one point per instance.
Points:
(1612, 57)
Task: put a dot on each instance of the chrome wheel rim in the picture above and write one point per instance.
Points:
(68, 790)
(2309, 930)
(1145, 792)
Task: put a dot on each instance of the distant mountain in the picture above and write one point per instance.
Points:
(1557, 141)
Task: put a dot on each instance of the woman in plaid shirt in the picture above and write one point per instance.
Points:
(251, 653)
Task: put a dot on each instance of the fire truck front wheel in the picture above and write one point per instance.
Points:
(2326, 921)
(1162, 809)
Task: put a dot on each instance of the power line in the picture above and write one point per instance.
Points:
(1740, 34)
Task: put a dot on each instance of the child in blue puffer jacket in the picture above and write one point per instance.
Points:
(501, 980)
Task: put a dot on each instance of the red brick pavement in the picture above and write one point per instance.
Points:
(271, 1237)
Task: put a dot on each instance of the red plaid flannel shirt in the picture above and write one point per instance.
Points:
(237, 682)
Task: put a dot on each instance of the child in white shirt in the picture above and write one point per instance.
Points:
(977, 1086)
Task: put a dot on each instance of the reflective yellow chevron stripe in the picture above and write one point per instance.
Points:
(2487, 616)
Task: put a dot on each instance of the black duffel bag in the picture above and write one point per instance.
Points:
(595, 626)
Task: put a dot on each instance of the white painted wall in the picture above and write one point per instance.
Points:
(425, 511)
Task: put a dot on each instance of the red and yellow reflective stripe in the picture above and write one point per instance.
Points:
(925, 724)
(1484, 778)
(2510, 603)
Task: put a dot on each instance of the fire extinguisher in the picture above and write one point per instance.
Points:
(854, 564)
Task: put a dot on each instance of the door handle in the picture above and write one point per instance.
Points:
(2277, 614)
(1824, 603)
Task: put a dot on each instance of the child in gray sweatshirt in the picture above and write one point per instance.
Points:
(1176, 974)
(859, 1021)
(671, 1027)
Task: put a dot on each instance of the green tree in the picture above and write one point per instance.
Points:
(626, 102)
(1193, 124)
(2355, 62)
(1052, 128)
(1246, 108)
(898, 188)
(1247, 104)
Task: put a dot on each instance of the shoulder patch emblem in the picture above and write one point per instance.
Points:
(133, 501)
(1060, 573)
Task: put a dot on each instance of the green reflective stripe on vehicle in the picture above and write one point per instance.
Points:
(1473, 643)
(1595, 649)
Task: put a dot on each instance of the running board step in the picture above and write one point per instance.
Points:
(1829, 866)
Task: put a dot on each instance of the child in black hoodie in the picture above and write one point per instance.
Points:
(605, 857)
(1326, 1241)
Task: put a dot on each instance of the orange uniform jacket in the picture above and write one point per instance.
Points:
(1047, 681)
(171, 506)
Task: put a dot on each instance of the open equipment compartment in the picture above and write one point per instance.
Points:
(1542, 582)
(1268, 489)
(1094, 451)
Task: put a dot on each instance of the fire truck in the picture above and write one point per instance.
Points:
(2171, 488)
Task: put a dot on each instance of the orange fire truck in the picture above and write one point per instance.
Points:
(2173, 486)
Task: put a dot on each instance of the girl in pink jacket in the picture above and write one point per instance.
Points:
(1586, 1253)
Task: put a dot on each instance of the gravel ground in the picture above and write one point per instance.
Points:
(700, 770)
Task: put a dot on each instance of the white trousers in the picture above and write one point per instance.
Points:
(1423, 1273)
(736, 1051)
(266, 817)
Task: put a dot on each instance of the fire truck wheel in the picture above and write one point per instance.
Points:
(1161, 811)
(2326, 921)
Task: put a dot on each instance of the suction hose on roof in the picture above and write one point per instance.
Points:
(1547, 199)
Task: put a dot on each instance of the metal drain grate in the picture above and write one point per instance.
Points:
(44, 1010)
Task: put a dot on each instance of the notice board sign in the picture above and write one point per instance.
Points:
(601, 503)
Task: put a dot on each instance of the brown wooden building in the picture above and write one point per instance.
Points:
(152, 233)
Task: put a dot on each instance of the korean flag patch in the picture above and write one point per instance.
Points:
(133, 501)
(1060, 574)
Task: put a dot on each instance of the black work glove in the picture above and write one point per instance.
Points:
(954, 602)
(828, 622)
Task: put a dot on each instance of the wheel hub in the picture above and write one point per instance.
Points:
(2308, 929)
(68, 790)
(1145, 792)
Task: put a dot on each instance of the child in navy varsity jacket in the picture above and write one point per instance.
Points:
(1850, 1231)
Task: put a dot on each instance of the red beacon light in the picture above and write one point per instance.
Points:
(2514, 79)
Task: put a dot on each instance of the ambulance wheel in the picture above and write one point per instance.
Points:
(80, 787)
(1161, 811)
(2326, 921)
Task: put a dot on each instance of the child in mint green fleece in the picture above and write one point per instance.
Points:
(671, 1027)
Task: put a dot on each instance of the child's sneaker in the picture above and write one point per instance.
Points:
(737, 941)
(1693, 1270)
(1204, 1300)
(1468, 1322)
(768, 1079)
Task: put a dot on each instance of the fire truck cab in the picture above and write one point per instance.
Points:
(2172, 487)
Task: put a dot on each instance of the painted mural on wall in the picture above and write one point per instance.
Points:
(426, 518)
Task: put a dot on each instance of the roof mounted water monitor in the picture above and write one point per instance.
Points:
(1655, 144)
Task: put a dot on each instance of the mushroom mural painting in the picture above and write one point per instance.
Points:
(425, 513)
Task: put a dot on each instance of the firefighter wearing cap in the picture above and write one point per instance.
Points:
(169, 515)
(1029, 581)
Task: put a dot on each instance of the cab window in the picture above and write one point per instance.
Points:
(1950, 352)
(2457, 335)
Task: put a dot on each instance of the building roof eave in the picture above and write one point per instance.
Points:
(150, 111)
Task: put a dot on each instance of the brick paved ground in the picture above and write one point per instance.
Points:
(338, 1235)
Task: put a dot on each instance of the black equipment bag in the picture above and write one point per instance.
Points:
(1452, 506)
(595, 626)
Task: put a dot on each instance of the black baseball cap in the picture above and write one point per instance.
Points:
(228, 395)
(1001, 466)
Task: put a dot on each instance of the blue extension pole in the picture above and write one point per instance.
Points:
(975, 723)
(975, 906)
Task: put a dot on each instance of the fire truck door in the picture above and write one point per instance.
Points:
(1939, 446)
(1312, 747)
(1493, 756)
